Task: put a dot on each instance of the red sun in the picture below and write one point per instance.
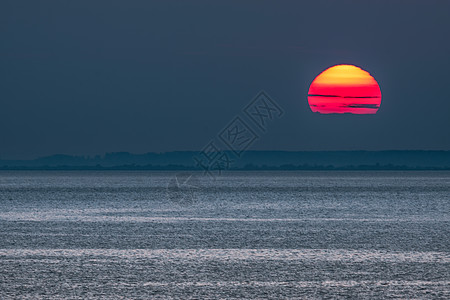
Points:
(344, 89)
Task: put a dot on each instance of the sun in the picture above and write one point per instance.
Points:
(344, 89)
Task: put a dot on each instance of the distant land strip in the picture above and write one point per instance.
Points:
(245, 168)
(250, 161)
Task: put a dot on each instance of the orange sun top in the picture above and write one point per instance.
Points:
(345, 75)
(344, 89)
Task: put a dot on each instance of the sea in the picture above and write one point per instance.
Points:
(234, 235)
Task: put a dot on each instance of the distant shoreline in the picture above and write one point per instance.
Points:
(256, 168)
(246, 161)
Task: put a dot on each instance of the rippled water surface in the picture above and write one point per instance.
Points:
(78, 235)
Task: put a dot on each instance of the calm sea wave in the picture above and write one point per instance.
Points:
(312, 235)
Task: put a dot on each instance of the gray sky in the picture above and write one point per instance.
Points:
(88, 77)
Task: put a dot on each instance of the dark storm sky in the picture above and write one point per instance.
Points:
(89, 77)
